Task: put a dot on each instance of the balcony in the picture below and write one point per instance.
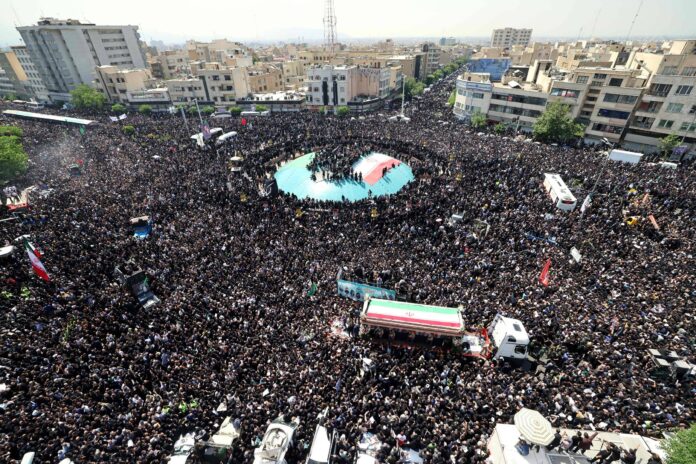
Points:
(656, 93)
(642, 124)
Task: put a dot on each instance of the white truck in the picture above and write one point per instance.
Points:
(625, 156)
(504, 338)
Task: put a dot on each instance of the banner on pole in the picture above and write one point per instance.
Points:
(359, 292)
(544, 276)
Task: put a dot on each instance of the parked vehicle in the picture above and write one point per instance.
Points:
(218, 450)
(276, 441)
(183, 448)
(322, 447)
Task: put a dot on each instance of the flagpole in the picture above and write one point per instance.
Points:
(183, 114)
(199, 111)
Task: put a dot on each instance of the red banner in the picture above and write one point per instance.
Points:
(544, 276)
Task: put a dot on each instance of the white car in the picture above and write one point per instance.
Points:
(183, 448)
(276, 442)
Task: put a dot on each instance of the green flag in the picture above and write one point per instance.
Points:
(82, 130)
(312, 289)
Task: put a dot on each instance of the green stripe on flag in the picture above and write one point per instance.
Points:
(412, 307)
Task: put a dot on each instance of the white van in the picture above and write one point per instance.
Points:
(558, 191)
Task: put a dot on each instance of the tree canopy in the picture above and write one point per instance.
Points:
(681, 448)
(86, 98)
(557, 125)
(118, 108)
(413, 87)
(13, 159)
(669, 143)
(145, 109)
(235, 110)
(342, 111)
(478, 119)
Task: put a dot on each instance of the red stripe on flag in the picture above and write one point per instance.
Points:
(544, 276)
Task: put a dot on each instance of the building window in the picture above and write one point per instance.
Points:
(623, 99)
(597, 83)
(600, 76)
(615, 82)
(607, 128)
(669, 70)
(613, 114)
(693, 109)
(227, 77)
(689, 71)
(684, 90)
(675, 107)
(477, 94)
(690, 127)
(567, 93)
(665, 123)
(659, 90)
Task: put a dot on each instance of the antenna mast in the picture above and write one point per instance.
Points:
(330, 27)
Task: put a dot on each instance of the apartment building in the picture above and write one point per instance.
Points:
(170, 64)
(668, 105)
(33, 87)
(293, 72)
(131, 87)
(12, 76)
(431, 53)
(474, 92)
(186, 90)
(330, 85)
(66, 52)
(509, 36)
(264, 78)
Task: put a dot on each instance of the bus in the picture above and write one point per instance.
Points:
(558, 191)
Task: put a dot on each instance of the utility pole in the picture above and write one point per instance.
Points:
(199, 111)
(403, 92)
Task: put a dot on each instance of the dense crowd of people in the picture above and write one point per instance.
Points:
(91, 376)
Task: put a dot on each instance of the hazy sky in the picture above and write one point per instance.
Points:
(172, 21)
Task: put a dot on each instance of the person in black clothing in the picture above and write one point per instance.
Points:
(556, 440)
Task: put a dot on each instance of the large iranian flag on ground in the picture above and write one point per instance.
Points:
(398, 312)
(39, 268)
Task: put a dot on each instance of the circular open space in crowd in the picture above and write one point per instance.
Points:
(373, 175)
(250, 325)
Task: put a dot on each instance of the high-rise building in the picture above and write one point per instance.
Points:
(34, 86)
(509, 36)
(66, 52)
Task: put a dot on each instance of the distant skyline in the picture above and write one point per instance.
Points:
(290, 20)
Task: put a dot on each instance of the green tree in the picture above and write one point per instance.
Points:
(128, 130)
(681, 448)
(118, 108)
(429, 79)
(235, 110)
(478, 119)
(342, 111)
(208, 110)
(669, 143)
(557, 125)
(499, 128)
(261, 108)
(13, 159)
(180, 106)
(86, 98)
(452, 98)
(438, 74)
(10, 97)
(10, 130)
(145, 109)
(413, 87)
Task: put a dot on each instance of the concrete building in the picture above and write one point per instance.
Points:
(264, 78)
(223, 86)
(275, 102)
(431, 58)
(293, 72)
(34, 86)
(330, 86)
(185, 90)
(66, 52)
(131, 87)
(169, 64)
(448, 41)
(668, 105)
(474, 92)
(12, 77)
(507, 37)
